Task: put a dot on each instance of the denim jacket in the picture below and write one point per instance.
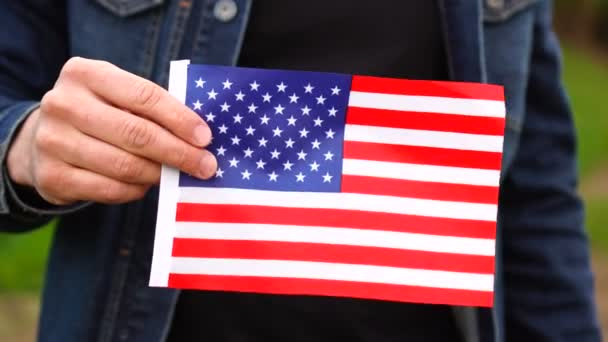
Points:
(96, 283)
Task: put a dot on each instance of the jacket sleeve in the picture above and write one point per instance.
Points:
(33, 47)
(549, 293)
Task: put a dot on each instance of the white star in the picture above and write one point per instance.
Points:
(212, 94)
(235, 140)
(287, 166)
(233, 162)
(246, 174)
(305, 110)
(237, 118)
(314, 166)
(277, 132)
(335, 90)
(252, 108)
(197, 105)
(260, 164)
(291, 121)
(248, 152)
(265, 119)
(275, 154)
(318, 121)
(308, 88)
(293, 98)
(289, 143)
(333, 111)
(302, 155)
(200, 83)
(329, 134)
(300, 177)
(219, 173)
(262, 142)
(281, 87)
(210, 117)
(273, 176)
(321, 99)
(266, 97)
(327, 178)
(254, 86)
(250, 130)
(221, 150)
(223, 129)
(227, 84)
(303, 133)
(225, 107)
(239, 96)
(329, 155)
(315, 144)
(279, 109)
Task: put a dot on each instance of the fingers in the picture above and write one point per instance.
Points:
(140, 96)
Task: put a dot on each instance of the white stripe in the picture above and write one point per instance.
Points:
(414, 137)
(333, 271)
(332, 200)
(424, 173)
(337, 236)
(431, 104)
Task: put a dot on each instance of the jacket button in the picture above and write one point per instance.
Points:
(495, 4)
(225, 10)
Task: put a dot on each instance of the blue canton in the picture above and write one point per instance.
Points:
(272, 129)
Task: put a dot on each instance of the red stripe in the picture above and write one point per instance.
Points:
(291, 286)
(227, 213)
(425, 121)
(415, 189)
(422, 155)
(427, 88)
(342, 254)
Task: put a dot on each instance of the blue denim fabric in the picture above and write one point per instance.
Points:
(96, 285)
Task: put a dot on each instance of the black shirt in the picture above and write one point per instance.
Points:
(393, 38)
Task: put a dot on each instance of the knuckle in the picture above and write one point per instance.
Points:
(53, 102)
(75, 67)
(137, 134)
(146, 94)
(114, 193)
(46, 140)
(181, 158)
(49, 179)
(127, 167)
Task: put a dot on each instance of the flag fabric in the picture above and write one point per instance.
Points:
(336, 185)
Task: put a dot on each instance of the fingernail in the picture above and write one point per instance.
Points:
(208, 166)
(202, 135)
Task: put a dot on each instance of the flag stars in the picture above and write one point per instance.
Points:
(221, 151)
(266, 97)
(277, 132)
(289, 143)
(260, 164)
(287, 165)
(219, 173)
(302, 155)
(332, 111)
(314, 166)
(308, 89)
(321, 99)
(264, 119)
(329, 155)
(275, 154)
(235, 140)
(225, 106)
(254, 86)
(291, 121)
(250, 130)
(252, 108)
(262, 142)
(279, 109)
(234, 162)
(293, 98)
(248, 152)
(210, 117)
(239, 96)
(318, 121)
(246, 174)
(227, 84)
(303, 133)
(316, 144)
(335, 90)
(237, 118)
(305, 110)
(273, 176)
(327, 178)
(200, 83)
(329, 134)
(300, 177)
(197, 105)
(223, 129)
(212, 95)
(281, 87)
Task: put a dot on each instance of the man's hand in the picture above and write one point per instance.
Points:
(101, 134)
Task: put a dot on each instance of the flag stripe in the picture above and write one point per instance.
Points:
(343, 254)
(425, 121)
(423, 173)
(336, 236)
(427, 88)
(430, 104)
(358, 220)
(399, 136)
(422, 155)
(416, 189)
(345, 201)
(333, 271)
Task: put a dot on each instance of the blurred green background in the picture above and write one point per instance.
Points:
(583, 29)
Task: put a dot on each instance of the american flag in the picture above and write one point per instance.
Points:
(340, 185)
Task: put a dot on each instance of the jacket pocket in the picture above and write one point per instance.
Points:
(125, 8)
(495, 11)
